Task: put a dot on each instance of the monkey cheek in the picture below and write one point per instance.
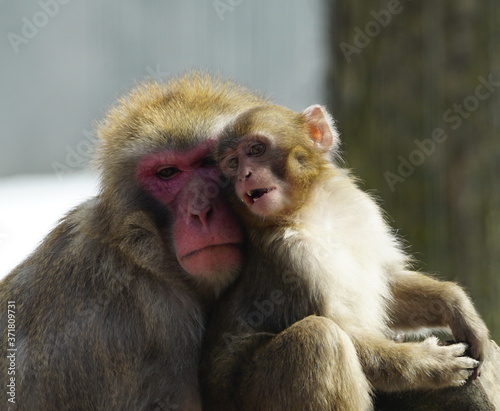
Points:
(213, 261)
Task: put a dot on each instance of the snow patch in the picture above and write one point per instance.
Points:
(31, 205)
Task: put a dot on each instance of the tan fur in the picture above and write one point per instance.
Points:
(328, 253)
(106, 318)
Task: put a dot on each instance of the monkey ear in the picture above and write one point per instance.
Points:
(321, 127)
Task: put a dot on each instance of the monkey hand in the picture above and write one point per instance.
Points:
(446, 365)
(476, 337)
(468, 327)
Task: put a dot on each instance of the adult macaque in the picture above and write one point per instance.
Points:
(308, 324)
(109, 309)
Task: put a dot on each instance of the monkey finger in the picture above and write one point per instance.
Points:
(459, 382)
(476, 373)
(458, 349)
(463, 375)
(467, 363)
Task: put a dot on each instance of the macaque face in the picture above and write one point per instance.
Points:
(273, 157)
(252, 164)
(207, 235)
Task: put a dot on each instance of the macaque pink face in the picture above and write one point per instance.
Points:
(255, 183)
(207, 234)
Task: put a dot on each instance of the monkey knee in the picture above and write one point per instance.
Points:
(321, 328)
(324, 338)
(318, 348)
(315, 323)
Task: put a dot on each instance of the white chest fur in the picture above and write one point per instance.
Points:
(347, 253)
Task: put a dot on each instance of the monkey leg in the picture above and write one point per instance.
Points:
(422, 301)
(310, 366)
(392, 366)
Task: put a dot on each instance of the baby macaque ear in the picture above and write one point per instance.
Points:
(321, 127)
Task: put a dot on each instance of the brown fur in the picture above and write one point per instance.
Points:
(106, 318)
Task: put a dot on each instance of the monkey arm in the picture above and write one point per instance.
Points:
(391, 366)
(479, 395)
(286, 371)
(223, 363)
(421, 301)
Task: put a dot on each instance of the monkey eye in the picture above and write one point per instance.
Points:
(167, 172)
(233, 163)
(256, 149)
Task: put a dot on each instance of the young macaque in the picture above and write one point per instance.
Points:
(309, 325)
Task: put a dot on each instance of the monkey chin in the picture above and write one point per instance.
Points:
(214, 263)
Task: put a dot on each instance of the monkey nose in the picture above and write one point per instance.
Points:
(245, 175)
(201, 214)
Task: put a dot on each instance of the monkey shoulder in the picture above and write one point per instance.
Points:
(89, 311)
(75, 274)
(339, 211)
(346, 251)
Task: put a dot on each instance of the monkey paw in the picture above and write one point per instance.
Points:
(477, 340)
(477, 348)
(447, 365)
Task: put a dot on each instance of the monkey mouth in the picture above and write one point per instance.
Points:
(210, 247)
(254, 195)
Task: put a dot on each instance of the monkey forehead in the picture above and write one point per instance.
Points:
(267, 120)
(268, 117)
(180, 113)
